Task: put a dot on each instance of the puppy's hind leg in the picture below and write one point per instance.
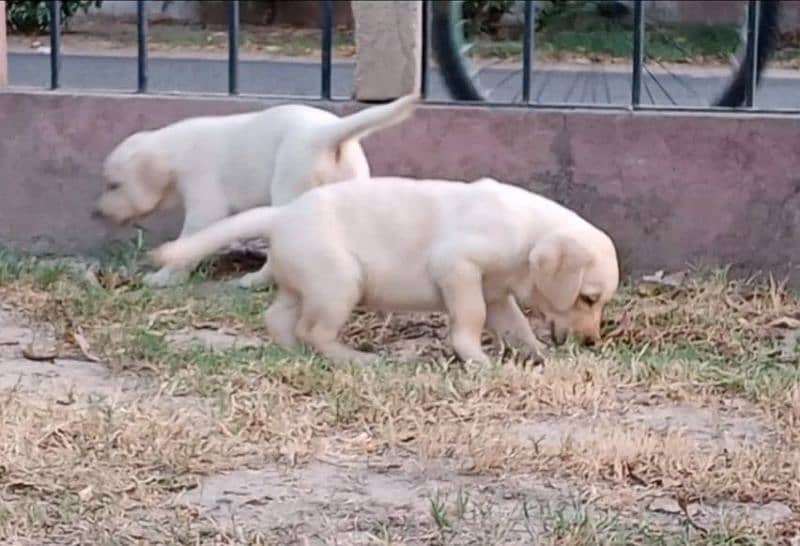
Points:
(281, 319)
(324, 312)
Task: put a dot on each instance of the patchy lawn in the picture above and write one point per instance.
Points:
(687, 43)
(134, 415)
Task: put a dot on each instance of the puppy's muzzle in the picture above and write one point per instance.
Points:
(560, 337)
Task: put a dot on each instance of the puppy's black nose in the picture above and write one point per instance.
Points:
(96, 214)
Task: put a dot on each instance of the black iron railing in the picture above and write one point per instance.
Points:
(749, 71)
(233, 47)
(465, 82)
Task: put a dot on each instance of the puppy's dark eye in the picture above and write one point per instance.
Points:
(587, 300)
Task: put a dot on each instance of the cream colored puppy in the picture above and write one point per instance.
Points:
(472, 249)
(219, 165)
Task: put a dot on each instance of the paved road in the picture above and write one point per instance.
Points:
(268, 77)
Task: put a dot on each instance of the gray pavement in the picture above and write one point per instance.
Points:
(593, 84)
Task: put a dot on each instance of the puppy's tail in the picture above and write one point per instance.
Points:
(256, 222)
(363, 122)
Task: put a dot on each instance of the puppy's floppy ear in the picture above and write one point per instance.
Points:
(557, 264)
(153, 170)
(153, 177)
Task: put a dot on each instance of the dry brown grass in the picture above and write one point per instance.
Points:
(94, 473)
(694, 398)
(734, 319)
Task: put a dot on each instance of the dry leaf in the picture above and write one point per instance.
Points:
(86, 493)
(205, 326)
(674, 280)
(622, 327)
(32, 353)
(83, 345)
(667, 505)
(790, 323)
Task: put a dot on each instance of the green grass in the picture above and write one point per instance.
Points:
(665, 43)
(761, 375)
(722, 353)
(463, 518)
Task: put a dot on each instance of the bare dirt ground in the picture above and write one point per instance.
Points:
(166, 417)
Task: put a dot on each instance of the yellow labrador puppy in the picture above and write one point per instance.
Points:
(219, 165)
(472, 249)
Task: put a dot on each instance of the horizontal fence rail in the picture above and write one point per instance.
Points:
(643, 84)
(142, 31)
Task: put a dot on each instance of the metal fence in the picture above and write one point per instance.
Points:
(737, 89)
(749, 68)
(233, 47)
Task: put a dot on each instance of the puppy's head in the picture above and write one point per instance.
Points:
(138, 180)
(574, 274)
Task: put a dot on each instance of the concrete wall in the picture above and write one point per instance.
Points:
(669, 189)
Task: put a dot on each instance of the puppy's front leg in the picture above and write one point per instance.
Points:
(462, 291)
(201, 211)
(507, 321)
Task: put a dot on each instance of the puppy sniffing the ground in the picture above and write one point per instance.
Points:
(472, 249)
(219, 165)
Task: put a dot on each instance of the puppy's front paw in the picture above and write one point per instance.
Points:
(164, 277)
(534, 351)
(537, 357)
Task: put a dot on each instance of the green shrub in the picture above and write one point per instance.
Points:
(482, 14)
(31, 16)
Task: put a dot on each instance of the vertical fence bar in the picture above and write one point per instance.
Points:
(3, 47)
(327, 43)
(233, 47)
(141, 47)
(426, 32)
(751, 55)
(527, 52)
(55, 43)
(638, 53)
